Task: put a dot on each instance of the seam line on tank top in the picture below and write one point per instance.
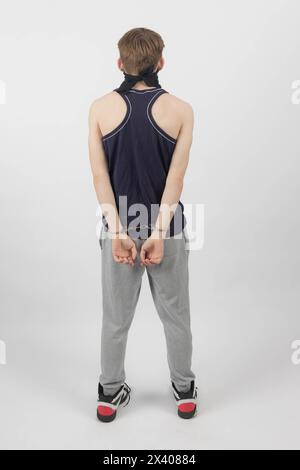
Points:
(157, 130)
(143, 91)
(118, 130)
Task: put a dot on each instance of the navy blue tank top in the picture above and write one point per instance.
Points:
(139, 154)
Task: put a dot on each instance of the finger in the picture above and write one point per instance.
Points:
(131, 260)
(146, 262)
(116, 258)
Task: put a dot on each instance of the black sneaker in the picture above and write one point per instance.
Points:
(108, 404)
(186, 401)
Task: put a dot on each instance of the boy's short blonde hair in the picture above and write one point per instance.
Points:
(140, 48)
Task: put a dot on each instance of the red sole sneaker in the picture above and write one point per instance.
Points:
(108, 405)
(187, 410)
(106, 414)
(186, 401)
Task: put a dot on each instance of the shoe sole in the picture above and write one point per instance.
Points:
(187, 415)
(106, 418)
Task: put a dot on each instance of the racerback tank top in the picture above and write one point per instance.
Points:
(139, 154)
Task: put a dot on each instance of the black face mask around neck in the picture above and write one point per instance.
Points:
(148, 76)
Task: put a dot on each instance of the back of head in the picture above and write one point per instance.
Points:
(140, 49)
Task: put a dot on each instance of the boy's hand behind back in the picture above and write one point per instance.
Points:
(152, 251)
(124, 250)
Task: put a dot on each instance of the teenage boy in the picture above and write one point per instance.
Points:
(139, 141)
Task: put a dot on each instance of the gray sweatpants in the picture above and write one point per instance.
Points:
(121, 286)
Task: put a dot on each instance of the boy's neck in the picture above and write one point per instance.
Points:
(142, 86)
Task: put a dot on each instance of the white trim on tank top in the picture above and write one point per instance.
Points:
(144, 91)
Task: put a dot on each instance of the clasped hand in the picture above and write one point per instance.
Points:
(124, 251)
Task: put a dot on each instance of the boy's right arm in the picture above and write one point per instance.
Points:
(152, 251)
(124, 250)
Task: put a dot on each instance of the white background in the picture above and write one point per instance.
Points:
(235, 61)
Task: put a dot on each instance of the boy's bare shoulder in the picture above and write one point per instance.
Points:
(100, 104)
(177, 104)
